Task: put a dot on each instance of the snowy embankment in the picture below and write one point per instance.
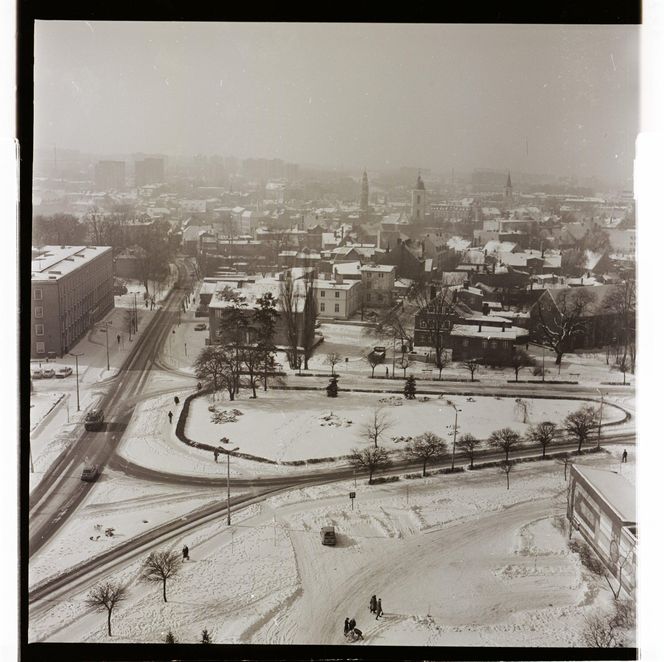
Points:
(457, 560)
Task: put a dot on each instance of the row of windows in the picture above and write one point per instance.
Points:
(336, 294)
(322, 307)
(485, 343)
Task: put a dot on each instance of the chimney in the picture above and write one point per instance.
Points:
(465, 284)
(338, 278)
(479, 327)
(503, 327)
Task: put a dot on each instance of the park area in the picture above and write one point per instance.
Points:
(286, 425)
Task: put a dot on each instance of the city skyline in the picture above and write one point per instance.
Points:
(552, 99)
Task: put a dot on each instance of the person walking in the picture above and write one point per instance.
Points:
(216, 455)
(185, 553)
(176, 400)
(346, 627)
(624, 456)
(387, 372)
(351, 624)
(379, 609)
(372, 604)
(170, 417)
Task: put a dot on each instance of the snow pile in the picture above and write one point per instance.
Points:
(225, 416)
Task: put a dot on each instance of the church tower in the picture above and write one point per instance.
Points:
(509, 200)
(364, 197)
(418, 201)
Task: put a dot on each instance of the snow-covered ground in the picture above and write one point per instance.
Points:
(456, 559)
(296, 425)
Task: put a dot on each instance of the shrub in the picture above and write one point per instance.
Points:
(385, 479)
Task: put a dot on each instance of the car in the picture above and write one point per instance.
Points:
(200, 327)
(328, 536)
(36, 373)
(317, 324)
(90, 473)
(379, 352)
(63, 372)
(94, 420)
(47, 373)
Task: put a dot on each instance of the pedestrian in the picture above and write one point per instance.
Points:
(119, 338)
(170, 417)
(216, 455)
(199, 386)
(346, 626)
(372, 604)
(185, 553)
(358, 633)
(351, 624)
(146, 303)
(379, 609)
(624, 456)
(176, 400)
(387, 371)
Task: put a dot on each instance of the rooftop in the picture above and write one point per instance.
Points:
(617, 491)
(54, 262)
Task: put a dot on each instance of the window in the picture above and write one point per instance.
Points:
(485, 344)
(39, 347)
(322, 308)
(336, 295)
(322, 293)
(39, 312)
(39, 329)
(464, 342)
(493, 344)
(336, 307)
(38, 293)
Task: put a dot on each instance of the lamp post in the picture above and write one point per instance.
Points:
(542, 362)
(599, 427)
(456, 415)
(78, 401)
(228, 482)
(108, 362)
(135, 315)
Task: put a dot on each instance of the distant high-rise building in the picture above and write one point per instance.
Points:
(364, 197)
(149, 171)
(110, 175)
(419, 201)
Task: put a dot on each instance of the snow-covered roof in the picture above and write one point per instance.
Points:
(54, 262)
(347, 268)
(496, 246)
(386, 268)
(488, 332)
(617, 491)
(458, 243)
(322, 284)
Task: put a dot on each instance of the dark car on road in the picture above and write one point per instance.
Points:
(328, 536)
(90, 473)
(379, 353)
(94, 420)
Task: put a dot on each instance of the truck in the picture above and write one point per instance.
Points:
(94, 420)
(328, 536)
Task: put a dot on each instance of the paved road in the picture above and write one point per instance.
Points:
(61, 490)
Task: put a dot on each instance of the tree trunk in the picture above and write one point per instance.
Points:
(580, 442)
(508, 481)
(253, 387)
(109, 623)
(164, 583)
(543, 451)
(370, 476)
(516, 375)
(559, 358)
(424, 468)
(471, 461)
(373, 369)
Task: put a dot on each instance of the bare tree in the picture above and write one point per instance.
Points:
(289, 304)
(309, 315)
(520, 359)
(253, 361)
(377, 426)
(621, 304)
(566, 319)
(210, 366)
(425, 447)
(506, 439)
(467, 443)
(404, 362)
(542, 434)
(332, 359)
(471, 365)
(369, 459)
(106, 596)
(373, 360)
(522, 408)
(581, 422)
(161, 566)
(506, 467)
(622, 365)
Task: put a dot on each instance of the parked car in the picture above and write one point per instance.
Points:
(200, 327)
(47, 373)
(90, 473)
(379, 352)
(36, 373)
(63, 372)
(94, 420)
(328, 536)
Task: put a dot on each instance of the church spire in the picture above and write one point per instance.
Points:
(364, 197)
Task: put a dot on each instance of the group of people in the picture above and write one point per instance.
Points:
(376, 606)
(350, 629)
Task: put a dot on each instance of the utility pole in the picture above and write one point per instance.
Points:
(456, 414)
(228, 483)
(78, 401)
(599, 427)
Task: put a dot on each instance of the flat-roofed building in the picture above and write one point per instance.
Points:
(71, 289)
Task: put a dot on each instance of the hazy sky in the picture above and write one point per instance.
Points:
(433, 96)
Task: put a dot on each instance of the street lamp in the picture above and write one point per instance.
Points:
(108, 362)
(456, 415)
(78, 402)
(228, 482)
(599, 427)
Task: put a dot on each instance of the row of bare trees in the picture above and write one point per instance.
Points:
(297, 299)
(428, 446)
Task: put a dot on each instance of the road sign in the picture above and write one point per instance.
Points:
(352, 502)
(352, 495)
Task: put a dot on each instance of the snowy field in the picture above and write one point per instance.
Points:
(492, 569)
(296, 425)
